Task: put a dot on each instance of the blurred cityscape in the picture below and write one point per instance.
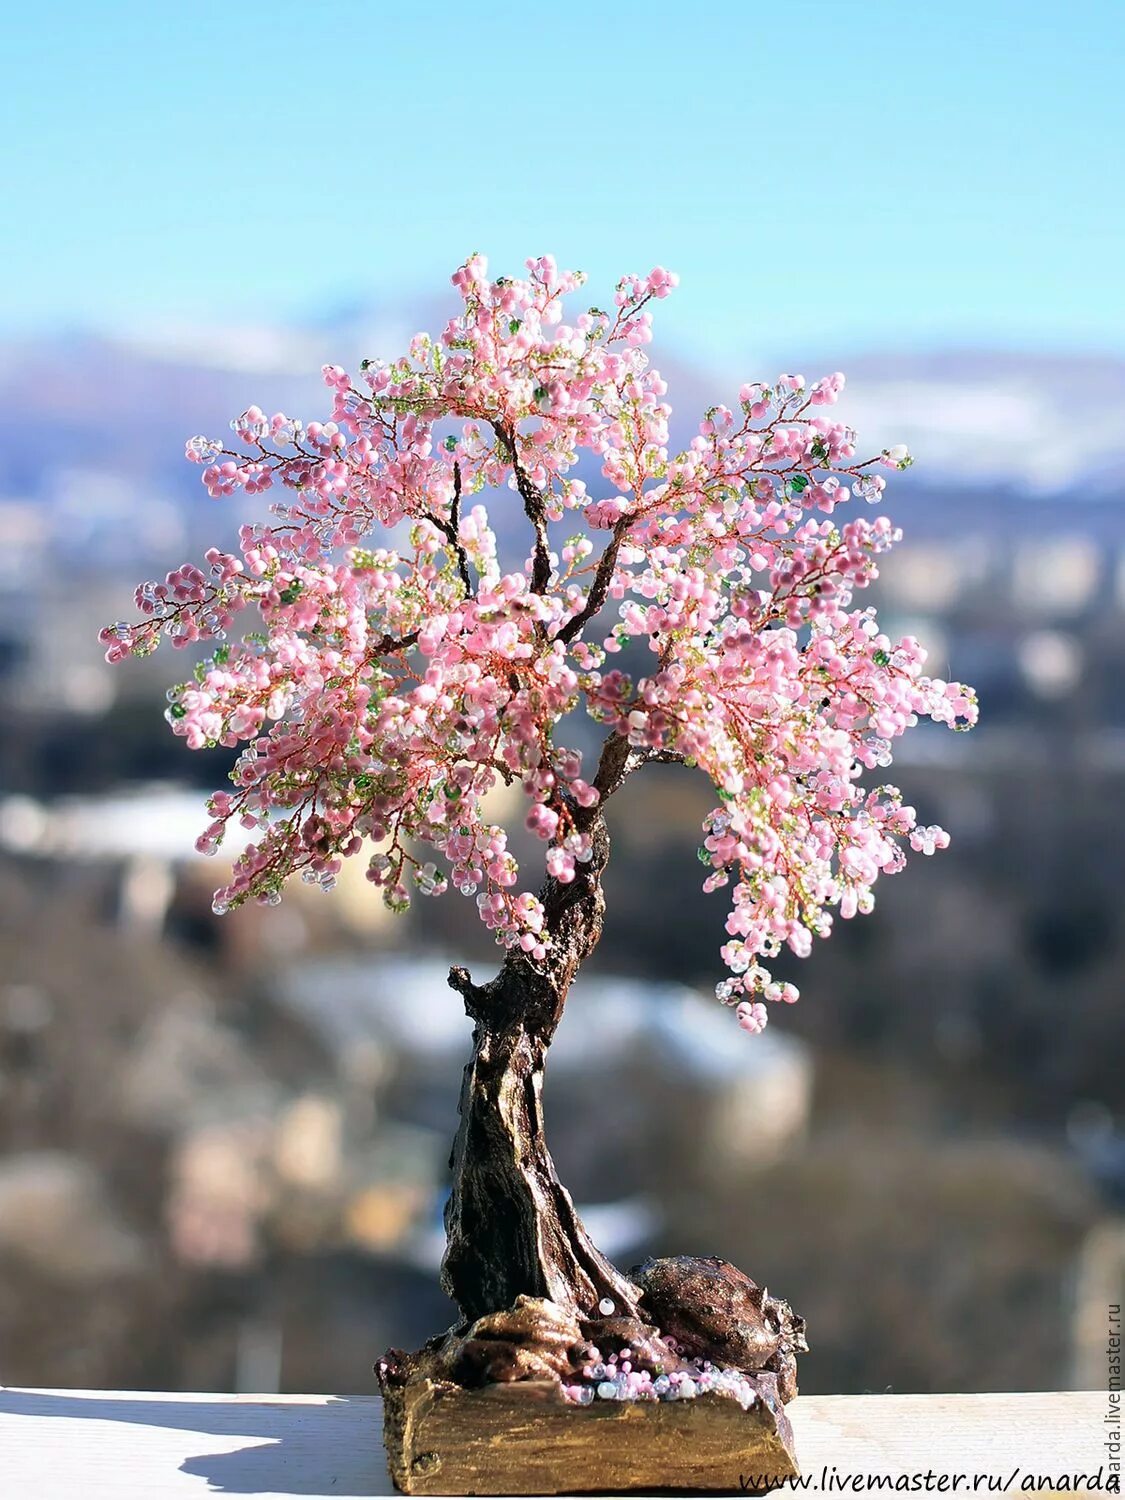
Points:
(223, 1143)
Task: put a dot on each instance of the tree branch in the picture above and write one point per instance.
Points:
(665, 757)
(599, 589)
(618, 760)
(450, 530)
(535, 509)
(460, 980)
(472, 994)
(616, 763)
(387, 645)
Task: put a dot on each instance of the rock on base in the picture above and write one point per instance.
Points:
(524, 1438)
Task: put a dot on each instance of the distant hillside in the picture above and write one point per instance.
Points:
(94, 428)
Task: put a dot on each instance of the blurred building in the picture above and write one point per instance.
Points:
(238, 1131)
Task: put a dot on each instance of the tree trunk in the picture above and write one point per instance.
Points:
(511, 1225)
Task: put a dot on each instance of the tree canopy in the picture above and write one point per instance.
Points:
(394, 667)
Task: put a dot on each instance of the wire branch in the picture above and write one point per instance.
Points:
(599, 588)
(387, 645)
(617, 762)
(450, 530)
(535, 507)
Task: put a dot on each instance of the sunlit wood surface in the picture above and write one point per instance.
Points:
(118, 1445)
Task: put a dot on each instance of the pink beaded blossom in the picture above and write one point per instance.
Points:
(393, 670)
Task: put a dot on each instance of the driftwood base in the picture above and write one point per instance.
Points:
(524, 1438)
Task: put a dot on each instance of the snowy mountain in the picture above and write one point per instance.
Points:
(1044, 424)
(92, 428)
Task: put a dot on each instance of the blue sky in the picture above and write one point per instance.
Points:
(822, 173)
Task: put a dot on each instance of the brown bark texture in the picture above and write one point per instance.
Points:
(511, 1226)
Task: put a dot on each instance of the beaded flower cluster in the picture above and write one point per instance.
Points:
(393, 671)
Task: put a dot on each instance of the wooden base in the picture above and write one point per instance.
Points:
(523, 1438)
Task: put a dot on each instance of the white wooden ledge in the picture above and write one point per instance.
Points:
(124, 1445)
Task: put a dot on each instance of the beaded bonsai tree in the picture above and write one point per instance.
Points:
(396, 669)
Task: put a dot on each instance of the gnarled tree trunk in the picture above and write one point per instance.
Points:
(511, 1225)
